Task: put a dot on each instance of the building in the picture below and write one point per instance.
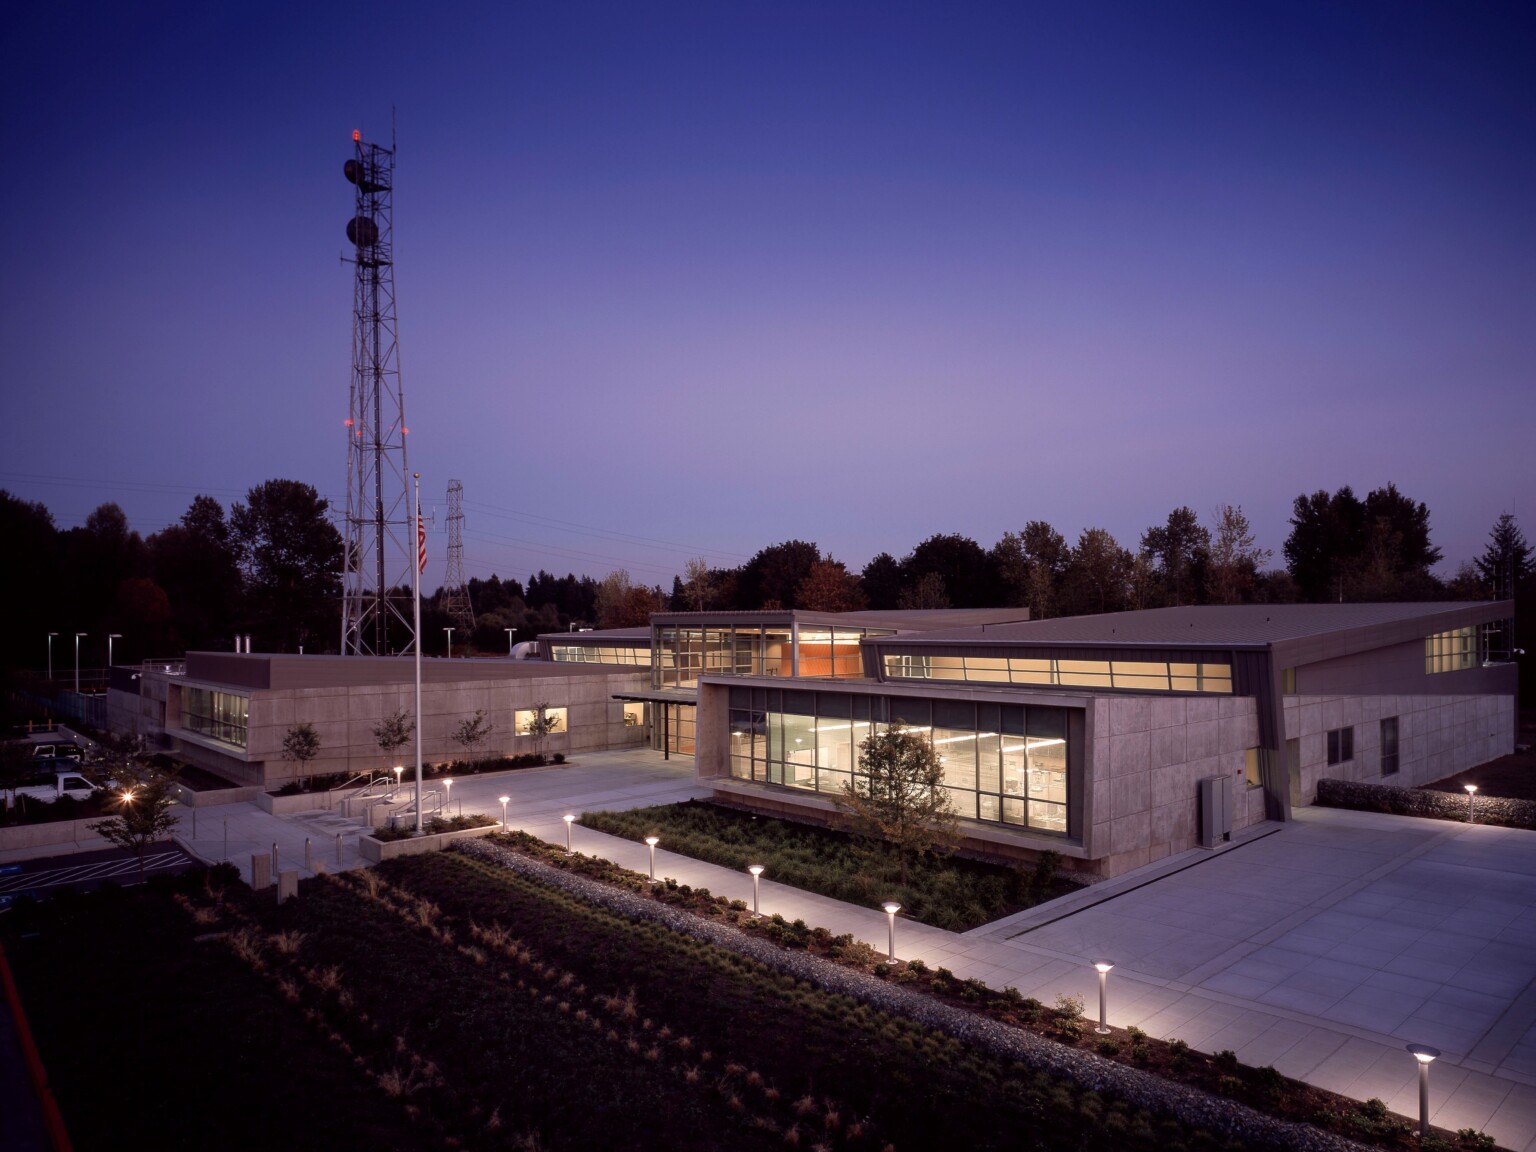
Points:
(1112, 740)
(1091, 736)
(228, 712)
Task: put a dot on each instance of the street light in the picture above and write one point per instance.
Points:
(1103, 971)
(77, 660)
(504, 800)
(757, 872)
(891, 908)
(569, 820)
(51, 635)
(651, 842)
(1471, 800)
(111, 636)
(1425, 1055)
(450, 641)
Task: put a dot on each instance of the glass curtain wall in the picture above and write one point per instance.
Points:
(221, 716)
(598, 654)
(1004, 764)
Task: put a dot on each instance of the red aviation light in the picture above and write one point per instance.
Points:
(356, 136)
(348, 421)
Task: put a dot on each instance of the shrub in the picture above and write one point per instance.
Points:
(1107, 1046)
(1473, 1138)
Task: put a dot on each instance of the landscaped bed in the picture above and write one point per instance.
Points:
(949, 892)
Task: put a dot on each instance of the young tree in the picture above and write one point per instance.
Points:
(301, 744)
(1236, 558)
(897, 797)
(144, 816)
(700, 586)
(472, 733)
(540, 725)
(394, 733)
(926, 592)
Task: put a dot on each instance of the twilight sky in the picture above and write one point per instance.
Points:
(681, 279)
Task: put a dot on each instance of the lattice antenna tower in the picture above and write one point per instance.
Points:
(380, 541)
(456, 601)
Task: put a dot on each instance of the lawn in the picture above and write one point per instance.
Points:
(949, 892)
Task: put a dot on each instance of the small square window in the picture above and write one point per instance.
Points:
(1341, 745)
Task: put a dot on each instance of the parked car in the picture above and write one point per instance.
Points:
(48, 785)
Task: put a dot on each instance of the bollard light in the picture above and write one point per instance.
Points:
(1103, 970)
(757, 872)
(504, 800)
(1425, 1055)
(569, 820)
(651, 842)
(891, 908)
(399, 771)
(1471, 800)
(448, 802)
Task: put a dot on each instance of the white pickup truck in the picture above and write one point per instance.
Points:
(60, 779)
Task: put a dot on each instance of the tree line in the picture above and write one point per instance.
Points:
(271, 567)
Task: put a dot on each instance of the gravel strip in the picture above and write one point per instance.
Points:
(1227, 1118)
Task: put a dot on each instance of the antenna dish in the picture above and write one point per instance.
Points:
(362, 231)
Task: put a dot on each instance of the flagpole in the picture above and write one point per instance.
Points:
(416, 596)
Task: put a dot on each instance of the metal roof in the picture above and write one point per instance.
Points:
(912, 620)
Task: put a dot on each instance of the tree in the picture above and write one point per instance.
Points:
(144, 815)
(1327, 536)
(1344, 548)
(1030, 566)
(1505, 565)
(967, 569)
(881, 580)
(927, 593)
(700, 586)
(301, 744)
(393, 733)
(291, 556)
(196, 563)
(830, 587)
(472, 733)
(621, 604)
(897, 797)
(775, 573)
(540, 725)
(1097, 576)
(1179, 551)
(1236, 558)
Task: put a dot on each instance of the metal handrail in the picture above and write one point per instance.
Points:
(368, 776)
(431, 803)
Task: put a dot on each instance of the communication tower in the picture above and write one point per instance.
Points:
(456, 601)
(380, 541)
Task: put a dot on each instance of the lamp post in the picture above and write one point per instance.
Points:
(891, 908)
(77, 661)
(399, 771)
(450, 642)
(51, 635)
(111, 636)
(1471, 800)
(1425, 1055)
(504, 800)
(757, 872)
(1103, 971)
(569, 820)
(509, 632)
(448, 784)
(651, 842)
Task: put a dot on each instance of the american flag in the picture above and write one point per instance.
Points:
(421, 544)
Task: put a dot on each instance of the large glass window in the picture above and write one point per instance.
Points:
(1341, 745)
(525, 721)
(682, 655)
(1144, 676)
(221, 716)
(1451, 651)
(1002, 764)
(599, 654)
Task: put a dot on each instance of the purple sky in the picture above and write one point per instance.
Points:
(683, 279)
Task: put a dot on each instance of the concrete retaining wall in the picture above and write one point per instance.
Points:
(57, 832)
(374, 851)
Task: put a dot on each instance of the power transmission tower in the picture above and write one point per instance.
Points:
(380, 540)
(455, 587)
